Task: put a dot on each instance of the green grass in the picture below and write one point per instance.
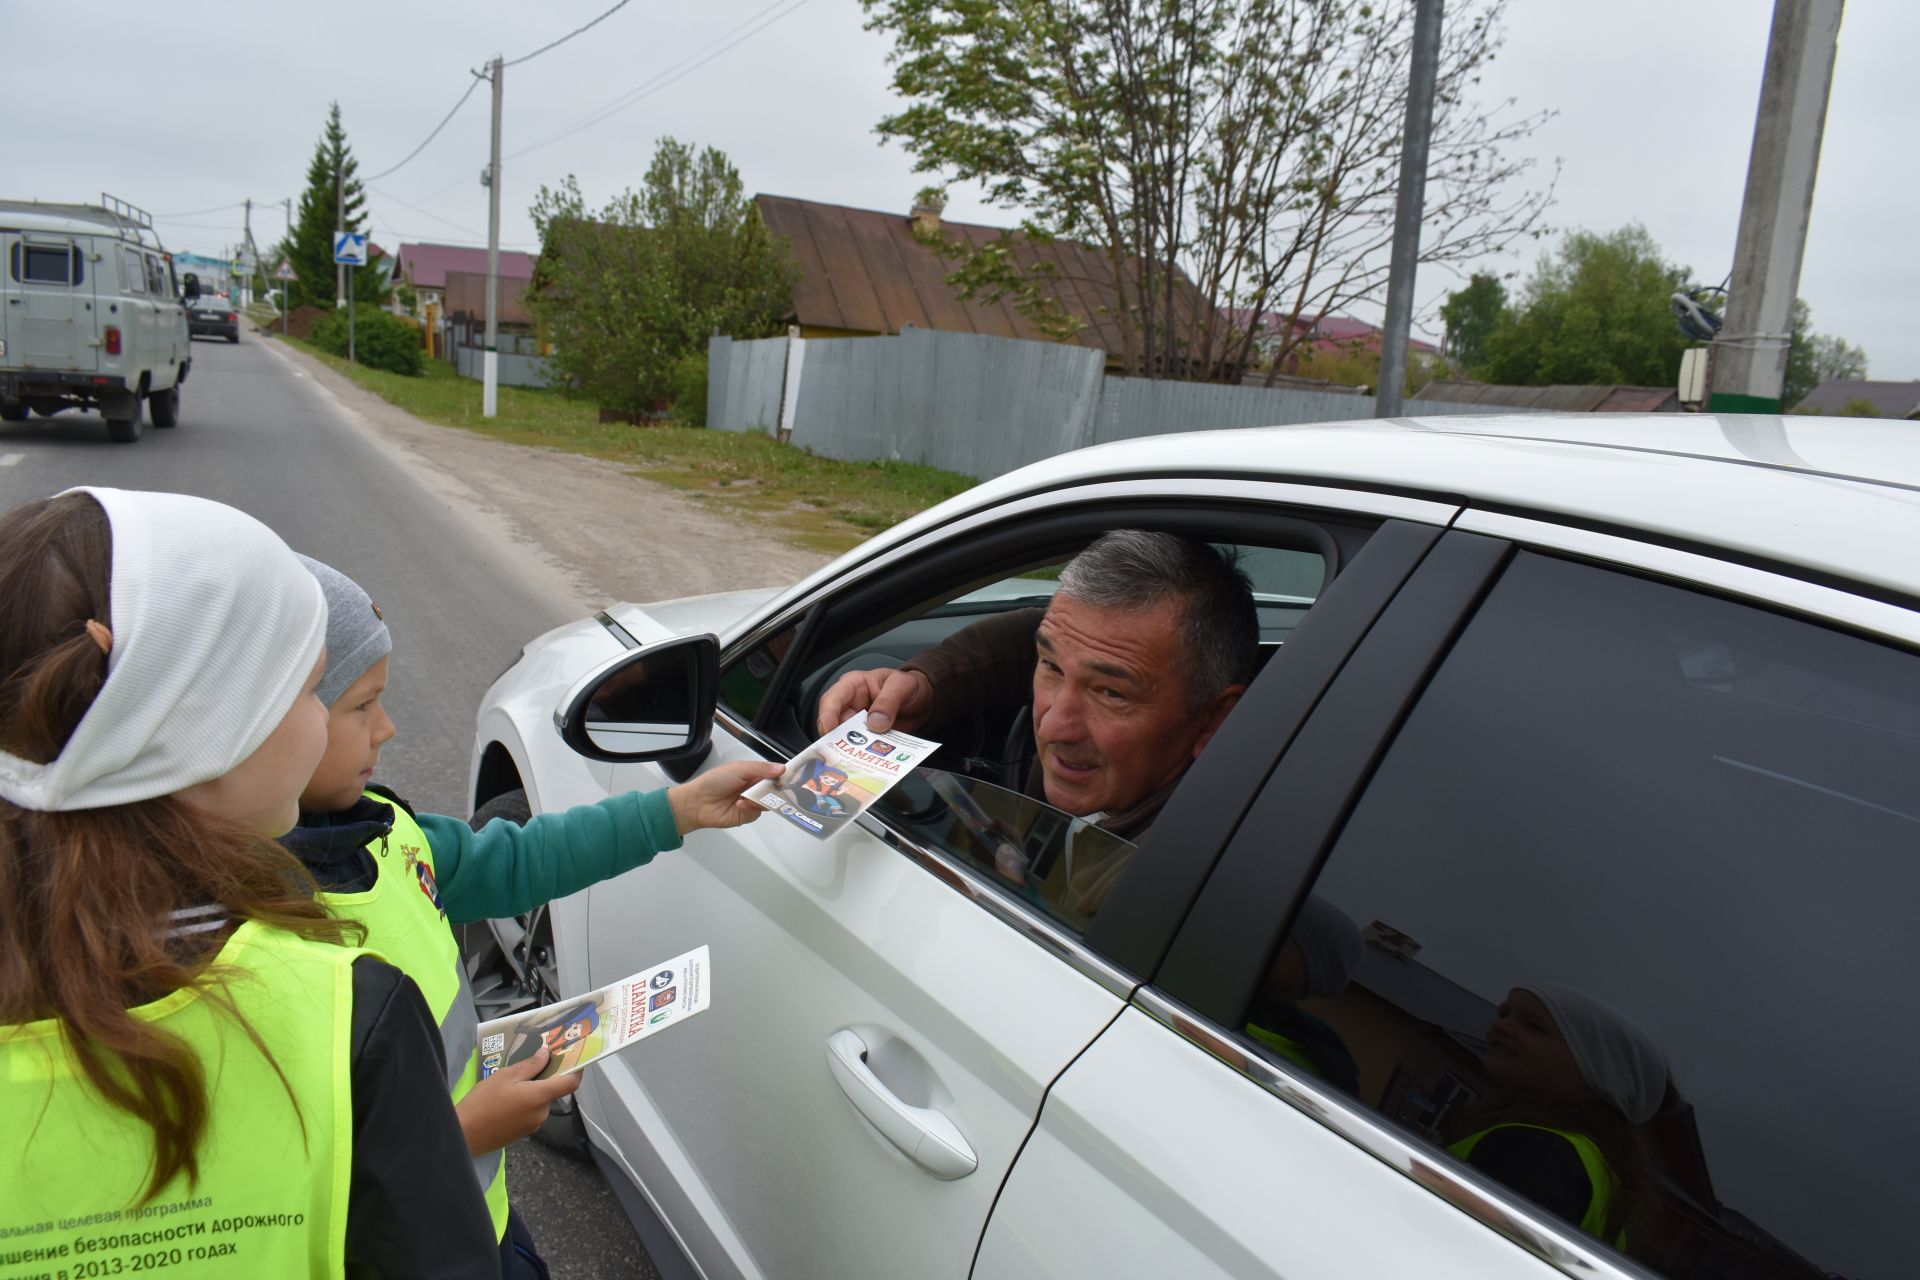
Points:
(817, 503)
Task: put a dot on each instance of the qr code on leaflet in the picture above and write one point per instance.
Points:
(493, 1043)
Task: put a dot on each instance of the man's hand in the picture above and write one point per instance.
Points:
(893, 699)
(713, 798)
(510, 1104)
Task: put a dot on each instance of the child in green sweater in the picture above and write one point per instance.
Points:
(409, 877)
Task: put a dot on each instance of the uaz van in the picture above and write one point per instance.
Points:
(90, 315)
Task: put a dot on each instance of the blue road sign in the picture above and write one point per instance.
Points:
(350, 248)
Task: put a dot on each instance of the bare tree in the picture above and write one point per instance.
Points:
(1249, 147)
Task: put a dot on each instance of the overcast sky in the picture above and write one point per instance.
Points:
(200, 104)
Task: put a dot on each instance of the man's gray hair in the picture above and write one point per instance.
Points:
(1135, 569)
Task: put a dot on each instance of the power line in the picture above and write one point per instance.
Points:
(430, 137)
(194, 213)
(427, 214)
(679, 70)
(570, 35)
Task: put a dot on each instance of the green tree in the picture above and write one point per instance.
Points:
(630, 294)
(1597, 311)
(1471, 314)
(1251, 145)
(1814, 358)
(310, 247)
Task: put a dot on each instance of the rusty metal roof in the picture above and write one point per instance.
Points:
(863, 271)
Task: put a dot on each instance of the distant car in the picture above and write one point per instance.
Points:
(213, 315)
(1625, 710)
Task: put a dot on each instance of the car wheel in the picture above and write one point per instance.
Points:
(164, 406)
(12, 411)
(125, 429)
(234, 336)
(511, 966)
(510, 961)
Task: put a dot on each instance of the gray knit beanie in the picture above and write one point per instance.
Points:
(357, 636)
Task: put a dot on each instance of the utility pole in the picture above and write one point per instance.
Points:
(1390, 400)
(490, 358)
(1749, 366)
(339, 221)
(251, 255)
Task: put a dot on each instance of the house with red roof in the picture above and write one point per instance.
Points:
(1327, 333)
(425, 267)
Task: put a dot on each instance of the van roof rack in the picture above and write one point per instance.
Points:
(128, 219)
(127, 211)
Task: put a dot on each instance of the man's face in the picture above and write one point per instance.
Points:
(1110, 713)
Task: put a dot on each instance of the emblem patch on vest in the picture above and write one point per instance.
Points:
(423, 873)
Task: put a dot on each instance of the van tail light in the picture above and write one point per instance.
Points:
(113, 340)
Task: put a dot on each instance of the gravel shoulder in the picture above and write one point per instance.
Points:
(598, 532)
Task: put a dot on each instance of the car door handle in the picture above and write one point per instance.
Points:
(924, 1135)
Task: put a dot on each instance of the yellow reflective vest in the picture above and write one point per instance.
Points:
(1600, 1174)
(406, 925)
(271, 1198)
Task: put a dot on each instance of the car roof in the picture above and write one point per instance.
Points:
(1838, 497)
(70, 219)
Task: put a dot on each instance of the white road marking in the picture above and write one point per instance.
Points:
(9, 459)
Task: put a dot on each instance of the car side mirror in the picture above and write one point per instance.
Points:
(651, 703)
(190, 287)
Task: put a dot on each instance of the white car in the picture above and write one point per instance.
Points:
(1622, 706)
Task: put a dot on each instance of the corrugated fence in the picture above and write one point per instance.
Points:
(977, 405)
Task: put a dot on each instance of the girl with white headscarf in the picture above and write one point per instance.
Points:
(1574, 1082)
(187, 1052)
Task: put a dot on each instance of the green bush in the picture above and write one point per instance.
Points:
(688, 379)
(381, 339)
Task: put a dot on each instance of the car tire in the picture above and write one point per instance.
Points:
(510, 962)
(164, 407)
(126, 430)
(484, 947)
(13, 411)
(234, 337)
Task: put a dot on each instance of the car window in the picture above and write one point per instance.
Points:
(982, 797)
(156, 277)
(46, 264)
(1624, 921)
(132, 271)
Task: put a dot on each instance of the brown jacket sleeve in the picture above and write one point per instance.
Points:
(982, 675)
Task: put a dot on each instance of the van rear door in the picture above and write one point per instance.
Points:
(50, 303)
(9, 307)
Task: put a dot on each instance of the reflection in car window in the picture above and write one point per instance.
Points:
(1064, 865)
(1635, 884)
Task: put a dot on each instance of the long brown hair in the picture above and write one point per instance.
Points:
(88, 895)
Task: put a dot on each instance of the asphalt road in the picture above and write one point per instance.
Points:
(256, 433)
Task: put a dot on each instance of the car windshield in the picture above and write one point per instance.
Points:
(1062, 863)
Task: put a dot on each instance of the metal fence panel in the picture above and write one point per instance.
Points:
(963, 402)
(748, 376)
(984, 406)
(515, 370)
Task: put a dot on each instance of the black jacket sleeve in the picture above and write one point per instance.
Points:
(414, 1207)
(1541, 1166)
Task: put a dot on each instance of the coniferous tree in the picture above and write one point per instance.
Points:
(319, 215)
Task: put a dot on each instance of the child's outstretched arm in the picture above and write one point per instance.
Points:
(504, 869)
(713, 798)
